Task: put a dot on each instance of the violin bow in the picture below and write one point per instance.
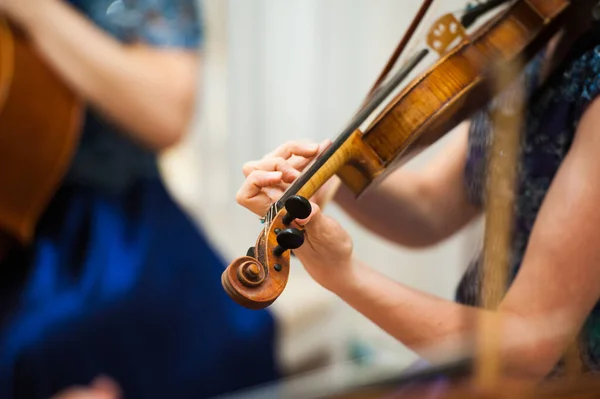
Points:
(468, 19)
(401, 47)
(507, 117)
(508, 122)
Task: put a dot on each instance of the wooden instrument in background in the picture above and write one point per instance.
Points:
(39, 129)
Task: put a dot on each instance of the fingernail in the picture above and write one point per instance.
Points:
(275, 175)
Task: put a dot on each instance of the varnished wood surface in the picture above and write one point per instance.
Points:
(460, 83)
(39, 125)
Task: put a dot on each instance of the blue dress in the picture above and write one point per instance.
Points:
(120, 281)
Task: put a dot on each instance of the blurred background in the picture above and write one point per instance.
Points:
(275, 71)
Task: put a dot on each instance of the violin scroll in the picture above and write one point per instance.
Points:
(256, 280)
(243, 279)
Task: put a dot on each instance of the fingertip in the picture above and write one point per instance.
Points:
(270, 179)
(247, 168)
(290, 175)
(315, 210)
(264, 179)
(277, 175)
(306, 149)
(324, 145)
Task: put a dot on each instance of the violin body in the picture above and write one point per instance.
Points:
(39, 126)
(461, 82)
(450, 91)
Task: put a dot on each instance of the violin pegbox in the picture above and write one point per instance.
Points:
(446, 33)
(257, 279)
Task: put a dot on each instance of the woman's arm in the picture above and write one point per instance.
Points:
(556, 288)
(148, 91)
(417, 209)
(414, 209)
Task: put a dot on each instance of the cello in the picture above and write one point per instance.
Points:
(428, 107)
(39, 129)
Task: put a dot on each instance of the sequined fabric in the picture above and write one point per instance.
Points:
(553, 113)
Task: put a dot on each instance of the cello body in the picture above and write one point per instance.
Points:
(39, 125)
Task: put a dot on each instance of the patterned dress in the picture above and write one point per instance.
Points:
(120, 281)
(553, 113)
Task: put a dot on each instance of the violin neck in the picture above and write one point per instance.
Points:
(378, 97)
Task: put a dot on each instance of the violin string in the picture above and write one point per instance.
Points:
(268, 220)
(413, 43)
(270, 216)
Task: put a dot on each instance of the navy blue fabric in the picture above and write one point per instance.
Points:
(125, 286)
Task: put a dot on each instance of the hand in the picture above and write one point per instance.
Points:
(101, 388)
(268, 178)
(327, 251)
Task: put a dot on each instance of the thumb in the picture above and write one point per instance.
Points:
(313, 224)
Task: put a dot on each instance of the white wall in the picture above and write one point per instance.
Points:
(279, 70)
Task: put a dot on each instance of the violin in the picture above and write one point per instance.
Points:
(448, 92)
(39, 129)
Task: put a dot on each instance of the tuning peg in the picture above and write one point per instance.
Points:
(297, 207)
(288, 239)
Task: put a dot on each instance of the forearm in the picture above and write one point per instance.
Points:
(418, 208)
(396, 212)
(148, 95)
(424, 323)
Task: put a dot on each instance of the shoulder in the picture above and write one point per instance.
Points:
(115, 8)
(588, 127)
(169, 23)
(580, 80)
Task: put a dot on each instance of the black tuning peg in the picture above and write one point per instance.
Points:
(297, 207)
(288, 239)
